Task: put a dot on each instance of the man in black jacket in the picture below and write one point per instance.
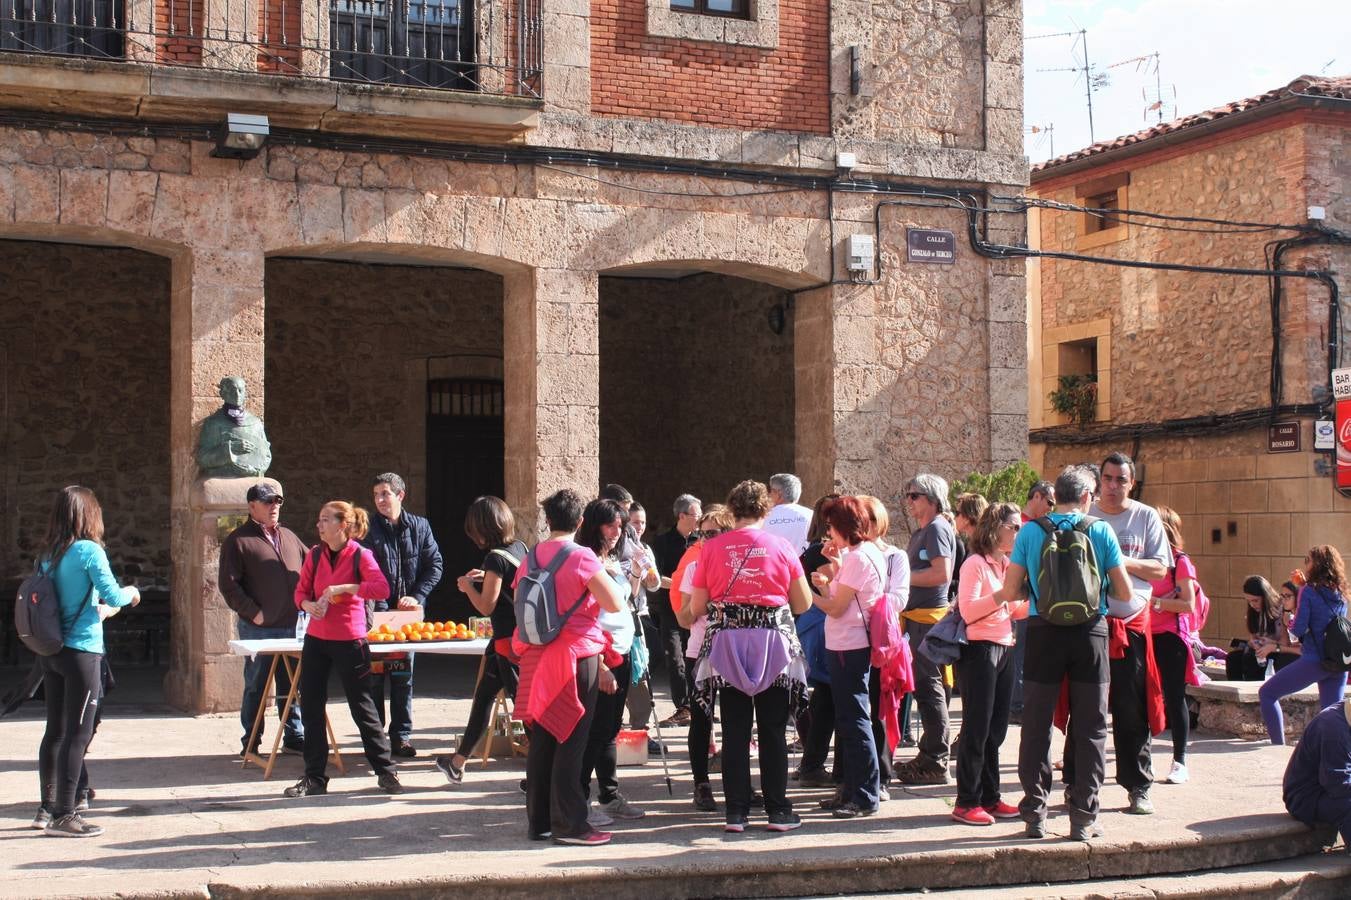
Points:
(407, 553)
(668, 547)
(259, 566)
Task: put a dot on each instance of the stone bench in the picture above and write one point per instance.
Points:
(1231, 707)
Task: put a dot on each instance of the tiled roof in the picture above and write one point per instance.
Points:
(1305, 86)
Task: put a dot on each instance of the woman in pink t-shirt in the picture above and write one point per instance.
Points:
(1175, 600)
(858, 584)
(338, 577)
(747, 580)
(985, 669)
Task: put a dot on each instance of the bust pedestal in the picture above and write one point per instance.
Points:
(204, 676)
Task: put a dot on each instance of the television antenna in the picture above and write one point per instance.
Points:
(1156, 104)
(1048, 131)
(1093, 79)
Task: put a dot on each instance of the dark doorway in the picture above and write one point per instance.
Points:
(465, 446)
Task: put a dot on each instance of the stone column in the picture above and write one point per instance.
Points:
(814, 391)
(216, 330)
(230, 32)
(551, 352)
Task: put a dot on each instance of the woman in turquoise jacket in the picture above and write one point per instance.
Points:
(74, 556)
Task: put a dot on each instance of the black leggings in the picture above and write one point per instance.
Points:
(73, 687)
(700, 735)
(1170, 655)
(498, 674)
(352, 661)
(601, 754)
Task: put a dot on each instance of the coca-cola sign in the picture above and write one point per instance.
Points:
(1343, 471)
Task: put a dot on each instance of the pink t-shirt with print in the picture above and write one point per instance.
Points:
(861, 569)
(757, 566)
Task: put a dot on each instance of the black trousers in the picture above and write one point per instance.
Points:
(554, 799)
(498, 674)
(1055, 653)
(73, 689)
(768, 710)
(884, 750)
(352, 661)
(601, 756)
(698, 739)
(820, 729)
(931, 698)
(987, 689)
(1130, 717)
(1170, 655)
(673, 642)
(1242, 665)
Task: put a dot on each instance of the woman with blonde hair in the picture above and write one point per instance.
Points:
(1321, 600)
(338, 576)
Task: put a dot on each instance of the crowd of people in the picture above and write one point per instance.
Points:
(791, 626)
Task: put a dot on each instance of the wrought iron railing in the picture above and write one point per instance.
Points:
(491, 46)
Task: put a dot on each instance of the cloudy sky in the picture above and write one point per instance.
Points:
(1210, 53)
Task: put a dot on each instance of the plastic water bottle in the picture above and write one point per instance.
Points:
(302, 622)
(1271, 669)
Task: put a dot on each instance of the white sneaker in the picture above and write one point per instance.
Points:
(596, 817)
(1178, 774)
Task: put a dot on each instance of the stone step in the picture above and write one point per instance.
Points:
(1319, 876)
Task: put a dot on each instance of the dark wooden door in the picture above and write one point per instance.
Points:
(465, 445)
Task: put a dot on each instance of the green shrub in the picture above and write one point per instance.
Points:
(1010, 484)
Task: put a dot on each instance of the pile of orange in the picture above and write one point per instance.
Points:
(416, 632)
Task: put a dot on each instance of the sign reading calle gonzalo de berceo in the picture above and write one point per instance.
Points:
(926, 245)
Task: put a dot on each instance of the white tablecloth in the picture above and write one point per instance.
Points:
(291, 645)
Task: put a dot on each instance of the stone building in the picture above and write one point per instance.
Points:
(1188, 374)
(499, 246)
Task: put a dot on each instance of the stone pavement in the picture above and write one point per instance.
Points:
(182, 819)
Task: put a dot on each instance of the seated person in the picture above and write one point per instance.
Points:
(1268, 631)
(1317, 785)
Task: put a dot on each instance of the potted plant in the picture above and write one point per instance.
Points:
(1076, 396)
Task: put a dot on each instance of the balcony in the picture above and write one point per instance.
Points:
(308, 63)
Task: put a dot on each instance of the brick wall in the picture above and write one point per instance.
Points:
(84, 399)
(178, 28)
(696, 390)
(707, 83)
(279, 37)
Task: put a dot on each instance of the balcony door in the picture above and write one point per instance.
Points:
(419, 43)
(64, 27)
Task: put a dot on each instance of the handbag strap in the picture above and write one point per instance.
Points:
(882, 583)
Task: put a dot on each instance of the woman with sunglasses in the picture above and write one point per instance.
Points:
(717, 520)
(986, 666)
(1322, 599)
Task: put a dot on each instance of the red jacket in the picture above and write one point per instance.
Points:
(346, 619)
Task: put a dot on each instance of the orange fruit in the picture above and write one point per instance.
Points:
(439, 635)
(385, 629)
(415, 636)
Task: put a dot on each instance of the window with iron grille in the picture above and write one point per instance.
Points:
(91, 28)
(421, 43)
(739, 8)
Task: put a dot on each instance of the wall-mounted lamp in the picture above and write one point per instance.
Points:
(241, 136)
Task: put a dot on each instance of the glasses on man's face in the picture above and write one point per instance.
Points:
(914, 495)
(275, 501)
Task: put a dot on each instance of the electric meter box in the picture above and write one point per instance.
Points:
(862, 249)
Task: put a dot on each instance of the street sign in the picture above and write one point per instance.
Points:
(1283, 437)
(926, 245)
(1342, 473)
(1341, 384)
(1325, 435)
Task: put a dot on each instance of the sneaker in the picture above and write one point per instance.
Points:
(784, 821)
(1034, 830)
(83, 805)
(734, 824)
(816, 778)
(1178, 774)
(715, 762)
(703, 797)
(851, 810)
(1002, 810)
(619, 808)
(541, 835)
(757, 800)
(72, 825)
(389, 783)
(297, 747)
(680, 717)
(42, 819)
(453, 775)
(1141, 805)
(596, 817)
(836, 800)
(883, 794)
(524, 786)
(972, 815)
(795, 747)
(306, 787)
(404, 749)
(592, 838)
(1086, 832)
(919, 773)
(654, 747)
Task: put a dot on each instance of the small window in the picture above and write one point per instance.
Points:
(1095, 222)
(739, 8)
(1099, 198)
(1076, 395)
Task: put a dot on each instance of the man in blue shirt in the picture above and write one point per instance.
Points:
(1317, 785)
(1059, 653)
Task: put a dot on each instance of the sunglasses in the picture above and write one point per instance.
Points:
(915, 495)
(275, 501)
(1011, 526)
(709, 534)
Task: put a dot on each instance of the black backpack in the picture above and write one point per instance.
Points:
(1337, 645)
(1069, 585)
(37, 612)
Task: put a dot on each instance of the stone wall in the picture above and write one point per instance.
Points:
(696, 389)
(349, 351)
(84, 399)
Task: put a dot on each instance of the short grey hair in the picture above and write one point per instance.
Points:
(935, 487)
(1043, 488)
(788, 486)
(394, 481)
(684, 503)
(1072, 483)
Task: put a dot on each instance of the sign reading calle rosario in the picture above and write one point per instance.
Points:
(927, 245)
(1283, 437)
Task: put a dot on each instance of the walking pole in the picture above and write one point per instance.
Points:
(656, 721)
